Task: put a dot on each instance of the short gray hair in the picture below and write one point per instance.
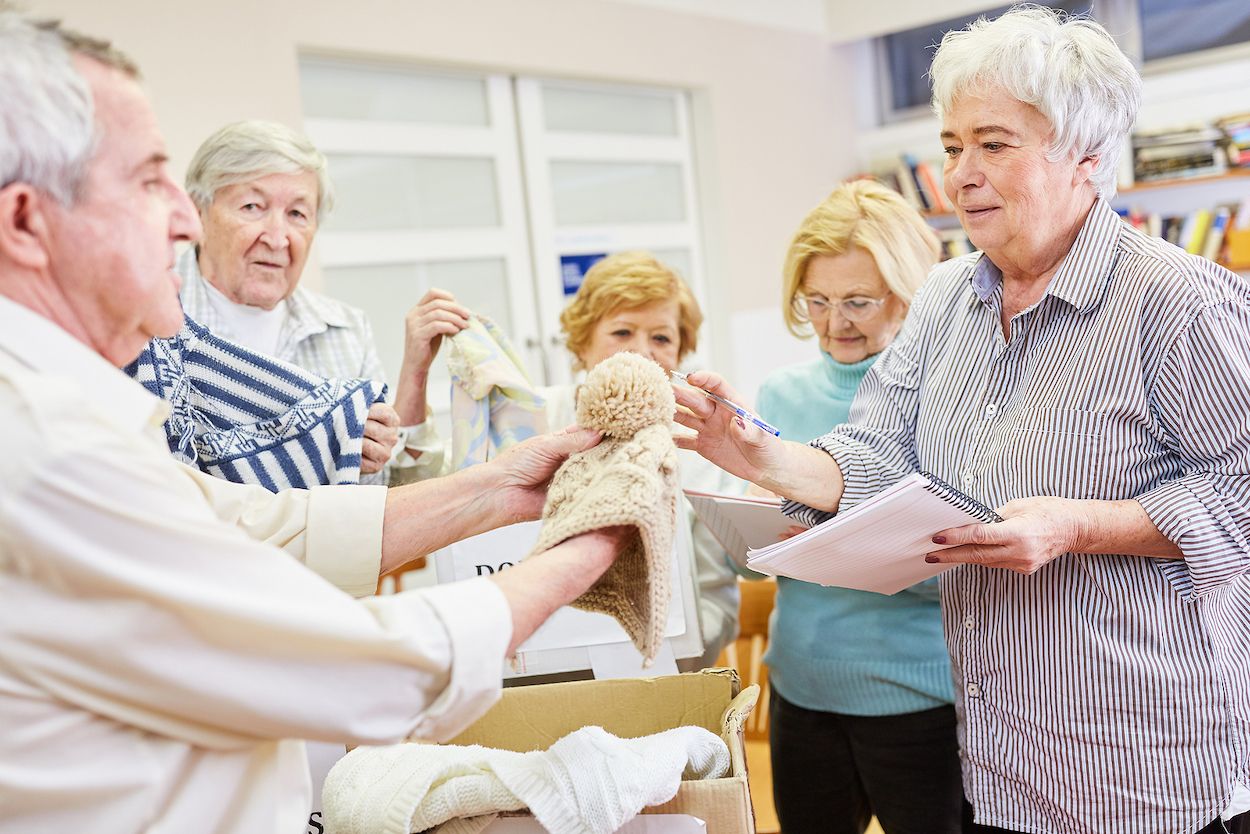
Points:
(1066, 66)
(244, 151)
(47, 123)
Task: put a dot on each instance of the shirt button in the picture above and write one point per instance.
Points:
(969, 480)
(991, 410)
(969, 622)
(973, 690)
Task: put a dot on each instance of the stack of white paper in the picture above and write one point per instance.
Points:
(740, 522)
(878, 545)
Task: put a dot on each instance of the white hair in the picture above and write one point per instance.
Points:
(1066, 66)
(47, 120)
(249, 150)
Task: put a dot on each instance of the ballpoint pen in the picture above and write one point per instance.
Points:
(734, 407)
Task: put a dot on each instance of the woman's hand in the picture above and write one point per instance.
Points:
(381, 435)
(721, 436)
(436, 315)
(1033, 532)
(1036, 531)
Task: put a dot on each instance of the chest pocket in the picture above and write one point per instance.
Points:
(1058, 452)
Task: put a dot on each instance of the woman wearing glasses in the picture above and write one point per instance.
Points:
(861, 715)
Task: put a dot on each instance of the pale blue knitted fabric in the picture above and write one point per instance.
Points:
(836, 649)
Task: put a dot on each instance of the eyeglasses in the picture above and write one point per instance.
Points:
(856, 308)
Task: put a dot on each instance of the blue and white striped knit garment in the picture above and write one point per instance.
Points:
(249, 418)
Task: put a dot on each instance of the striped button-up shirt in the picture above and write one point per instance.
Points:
(1103, 692)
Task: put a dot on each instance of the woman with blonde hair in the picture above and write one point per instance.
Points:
(630, 301)
(861, 715)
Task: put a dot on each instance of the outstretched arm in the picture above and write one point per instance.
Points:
(792, 470)
(423, 517)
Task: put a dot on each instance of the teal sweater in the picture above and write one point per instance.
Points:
(835, 649)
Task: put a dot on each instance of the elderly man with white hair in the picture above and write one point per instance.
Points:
(1092, 383)
(161, 646)
(262, 191)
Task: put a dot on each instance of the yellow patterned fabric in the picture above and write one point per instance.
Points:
(493, 403)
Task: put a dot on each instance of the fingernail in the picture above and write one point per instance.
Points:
(738, 422)
(939, 539)
(932, 560)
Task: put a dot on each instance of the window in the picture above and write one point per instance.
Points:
(1180, 27)
(905, 57)
(1148, 31)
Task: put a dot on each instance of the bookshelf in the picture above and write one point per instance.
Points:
(1172, 197)
(1233, 178)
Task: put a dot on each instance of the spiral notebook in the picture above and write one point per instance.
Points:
(878, 545)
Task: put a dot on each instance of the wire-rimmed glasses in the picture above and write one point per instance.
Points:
(815, 307)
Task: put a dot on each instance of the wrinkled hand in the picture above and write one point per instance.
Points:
(381, 435)
(436, 315)
(1033, 532)
(524, 471)
(723, 437)
(792, 531)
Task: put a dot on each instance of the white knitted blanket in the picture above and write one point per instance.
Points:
(589, 782)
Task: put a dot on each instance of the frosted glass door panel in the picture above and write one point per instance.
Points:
(677, 259)
(601, 193)
(387, 293)
(333, 90)
(412, 192)
(588, 111)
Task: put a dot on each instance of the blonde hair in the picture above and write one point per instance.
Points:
(878, 220)
(626, 281)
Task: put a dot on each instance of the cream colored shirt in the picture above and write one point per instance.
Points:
(161, 644)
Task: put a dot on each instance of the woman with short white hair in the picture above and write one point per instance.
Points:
(262, 190)
(1092, 383)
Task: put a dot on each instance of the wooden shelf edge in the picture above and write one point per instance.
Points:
(1181, 182)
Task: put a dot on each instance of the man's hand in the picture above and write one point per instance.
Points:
(523, 472)
(381, 435)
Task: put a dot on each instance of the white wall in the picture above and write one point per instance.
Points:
(770, 104)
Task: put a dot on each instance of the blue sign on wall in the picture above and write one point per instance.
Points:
(574, 267)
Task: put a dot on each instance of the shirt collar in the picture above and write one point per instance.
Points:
(47, 349)
(194, 293)
(1083, 275)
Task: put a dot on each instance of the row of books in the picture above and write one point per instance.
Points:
(1237, 139)
(1175, 153)
(1192, 150)
(919, 182)
(1203, 232)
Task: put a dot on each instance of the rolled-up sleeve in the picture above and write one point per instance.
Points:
(335, 530)
(875, 448)
(1202, 397)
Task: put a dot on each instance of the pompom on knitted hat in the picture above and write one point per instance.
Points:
(629, 479)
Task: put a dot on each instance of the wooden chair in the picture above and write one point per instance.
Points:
(746, 654)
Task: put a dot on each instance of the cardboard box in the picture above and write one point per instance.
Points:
(535, 717)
